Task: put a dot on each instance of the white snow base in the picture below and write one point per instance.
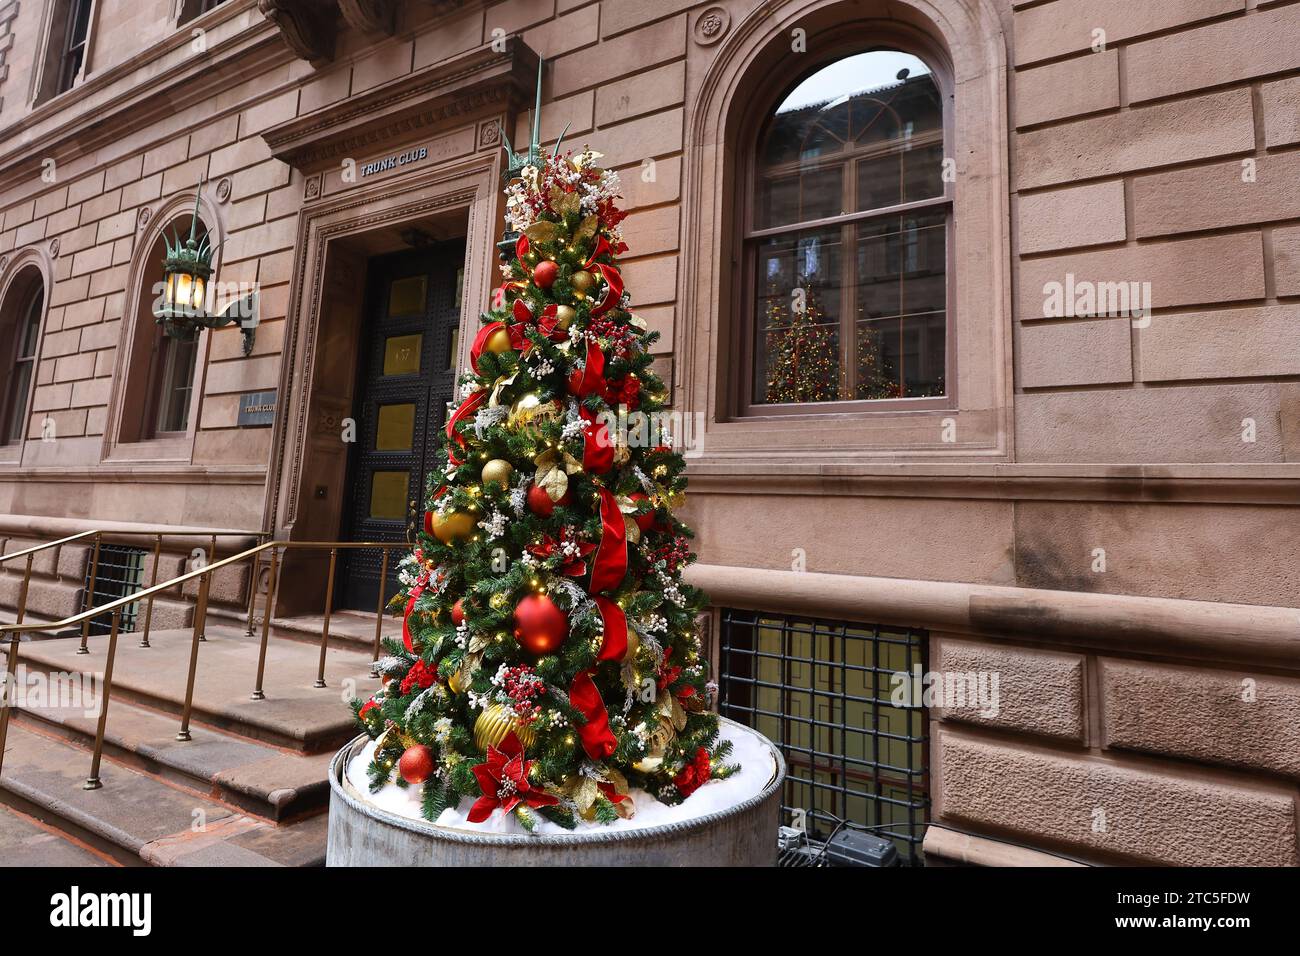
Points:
(748, 749)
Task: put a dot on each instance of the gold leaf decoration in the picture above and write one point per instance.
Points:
(542, 231)
(568, 205)
(587, 228)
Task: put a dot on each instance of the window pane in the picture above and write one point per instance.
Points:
(901, 302)
(17, 423)
(402, 354)
(396, 428)
(31, 329)
(177, 382)
(388, 494)
(406, 296)
(880, 113)
(797, 349)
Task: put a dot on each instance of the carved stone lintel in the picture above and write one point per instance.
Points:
(372, 16)
(307, 26)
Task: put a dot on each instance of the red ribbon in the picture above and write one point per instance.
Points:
(613, 289)
(597, 739)
(613, 646)
(469, 405)
(602, 247)
(610, 564)
(480, 342)
(521, 246)
(598, 447)
(592, 375)
(406, 618)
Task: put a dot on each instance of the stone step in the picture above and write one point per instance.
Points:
(256, 777)
(348, 629)
(295, 715)
(26, 842)
(138, 818)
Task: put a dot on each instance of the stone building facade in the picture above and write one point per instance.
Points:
(1095, 501)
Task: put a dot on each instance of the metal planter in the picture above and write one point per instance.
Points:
(363, 835)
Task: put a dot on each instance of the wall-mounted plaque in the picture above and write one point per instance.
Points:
(257, 409)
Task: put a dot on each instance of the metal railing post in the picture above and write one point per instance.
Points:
(252, 591)
(6, 694)
(325, 630)
(379, 611)
(92, 782)
(88, 599)
(22, 596)
(200, 619)
(153, 581)
(258, 693)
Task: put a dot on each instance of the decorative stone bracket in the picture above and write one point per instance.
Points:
(310, 27)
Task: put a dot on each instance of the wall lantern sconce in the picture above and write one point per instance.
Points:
(187, 269)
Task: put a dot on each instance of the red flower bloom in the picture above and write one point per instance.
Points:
(504, 782)
(575, 566)
(366, 708)
(625, 391)
(418, 676)
(695, 774)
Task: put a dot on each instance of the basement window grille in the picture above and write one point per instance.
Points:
(120, 572)
(821, 691)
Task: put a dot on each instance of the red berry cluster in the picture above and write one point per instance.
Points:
(521, 684)
(619, 336)
(674, 554)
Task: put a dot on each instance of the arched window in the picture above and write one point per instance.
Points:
(20, 333)
(160, 385)
(847, 238)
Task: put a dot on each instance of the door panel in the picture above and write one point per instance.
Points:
(405, 377)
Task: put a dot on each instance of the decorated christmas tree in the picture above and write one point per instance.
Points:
(549, 661)
(803, 359)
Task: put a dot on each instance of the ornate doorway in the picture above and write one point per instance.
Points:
(406, 371)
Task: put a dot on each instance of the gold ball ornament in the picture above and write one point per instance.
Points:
(495, 722)
(564, 316)
(583, 280)
(498, 470)
(454, 526)
(498, 341)
(633, 644)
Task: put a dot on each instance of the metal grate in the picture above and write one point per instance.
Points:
(120, 572)
(821, 691)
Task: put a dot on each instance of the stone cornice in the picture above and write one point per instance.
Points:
(1238, 633)
(67, 127)
(464, 85)
(1163, 484)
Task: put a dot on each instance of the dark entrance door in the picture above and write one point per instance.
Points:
(405, 378)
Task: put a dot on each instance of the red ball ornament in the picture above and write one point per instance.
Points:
(545, 274)
(540, 626)
(416, 764)
(540, 503)
(646, 521)
(457, 613)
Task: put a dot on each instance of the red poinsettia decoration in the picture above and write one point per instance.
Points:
(572, 550)
(624, 391)
(695, 774)
(504, 781)
(418, 676)
(366, 708)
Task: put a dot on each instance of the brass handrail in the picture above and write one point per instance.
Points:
(98, 533)
(14, 631)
